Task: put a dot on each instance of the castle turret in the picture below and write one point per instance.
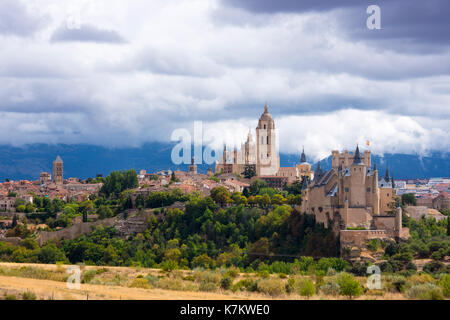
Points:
(358, 181)
(398, 222)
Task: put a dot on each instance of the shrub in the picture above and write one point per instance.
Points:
(226, 283)
(282, 275)
(272, 287)
(263, 274)
(10, 297)
(152, 280)
(331, 288)
(28, 295)
(419, 279)
(232, 272)
(207, 286)
(88, 276)
(102, 270)
(399, 284)
(170, 284)
(140, 283)
(427, 291)
(246, 284)
(373, 245)
(331, 272)
(207, 276)
(169, 265)
(411, 266)
(307, 288)
(434, 267)
(445, 284)
(349, 285)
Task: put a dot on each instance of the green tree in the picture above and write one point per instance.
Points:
(256, 185)
(295, 188)
(221, 195)
(202, 261)
(50, 253)
(14, 221)
(350, 287)
(409, 199)
(104, 212)
(249, 171)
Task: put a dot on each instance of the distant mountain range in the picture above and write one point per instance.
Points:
(85, 161)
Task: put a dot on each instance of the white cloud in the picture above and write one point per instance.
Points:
(197, 60)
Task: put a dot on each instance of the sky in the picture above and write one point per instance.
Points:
(121, 73)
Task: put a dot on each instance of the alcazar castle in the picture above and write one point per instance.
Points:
(350, 198)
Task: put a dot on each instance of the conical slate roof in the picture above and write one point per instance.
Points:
(304, 183)
(357, 158)
(318, 172)
(303, 157)
(58, 159)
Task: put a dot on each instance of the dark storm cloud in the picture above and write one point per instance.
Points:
(406, 24)
(271, 6)
(85, 33)
(16, 20)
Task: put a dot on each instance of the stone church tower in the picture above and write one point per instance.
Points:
(267, 158)
(58, 171)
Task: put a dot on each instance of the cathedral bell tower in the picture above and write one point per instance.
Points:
(267, 159)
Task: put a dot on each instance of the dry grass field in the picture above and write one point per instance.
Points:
(116, 283)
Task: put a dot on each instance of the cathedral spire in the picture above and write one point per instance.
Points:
(303, 156)
(386, 176)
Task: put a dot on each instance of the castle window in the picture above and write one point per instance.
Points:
(267, 139)
(346, 189)
(264, 126)
(368, 189)
(388, 194)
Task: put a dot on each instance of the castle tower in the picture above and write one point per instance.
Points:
(193, 167)
(267, 161)
(358, 181)
(58, 170)
(376, 191)
(210, 172)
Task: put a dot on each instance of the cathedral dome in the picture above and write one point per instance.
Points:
(266, 115)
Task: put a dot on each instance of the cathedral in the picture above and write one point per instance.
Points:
(262, 154)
